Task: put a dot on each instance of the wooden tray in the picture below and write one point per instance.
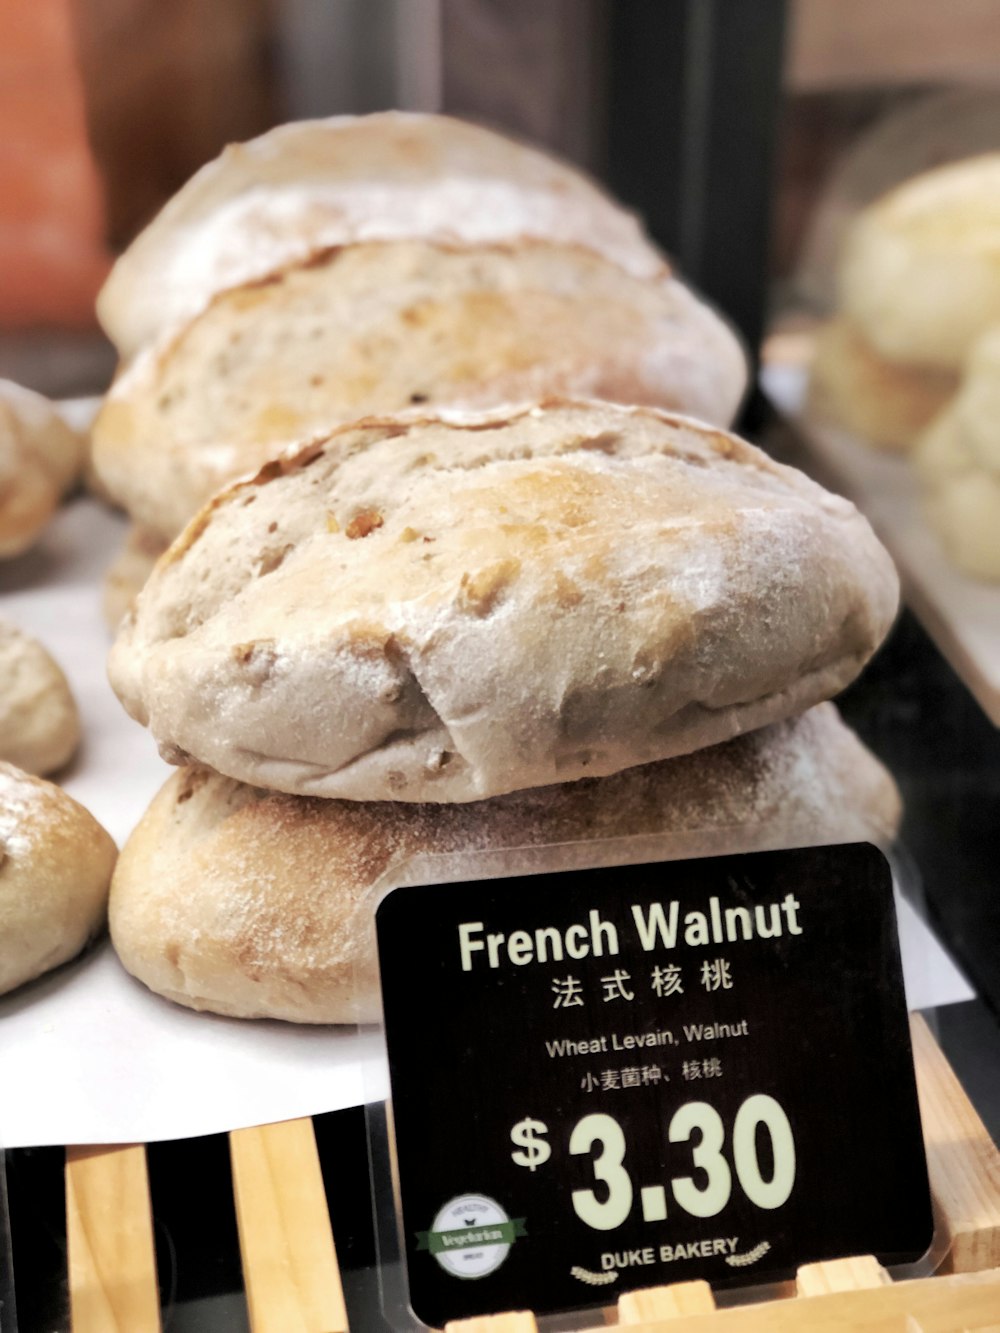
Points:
(293, 1282)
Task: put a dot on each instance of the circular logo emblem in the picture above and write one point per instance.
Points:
(471, 1236)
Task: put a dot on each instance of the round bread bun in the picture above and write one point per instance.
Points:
(879, 401)
(920, 274)
(314, 184)
(958, 461)
(258, 905)
(40, 459)
(381, 327)
(446, 609)
(55, 869)
(39, 723)
(127, 574)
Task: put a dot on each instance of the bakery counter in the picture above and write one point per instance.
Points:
(196, 1240)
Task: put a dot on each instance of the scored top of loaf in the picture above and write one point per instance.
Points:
(318, 183)
(450, 608)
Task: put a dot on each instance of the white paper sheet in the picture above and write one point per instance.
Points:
(87, 1055)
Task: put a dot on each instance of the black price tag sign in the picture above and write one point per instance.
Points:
(620, 1078)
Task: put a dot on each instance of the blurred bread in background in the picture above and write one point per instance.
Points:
(41, 458)
(39, 723)
(958, 461)
(919, 282)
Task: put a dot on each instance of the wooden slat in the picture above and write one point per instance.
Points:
(517, 1321)
(857, 1274)
(680, 1298)
(109, 1236)
(962, 1160)
(289, 1262)
(962, 1301)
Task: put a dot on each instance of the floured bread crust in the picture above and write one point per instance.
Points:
(39, 722)
(315, 184)
(958, 462)
(55, 869)
(260, 905)
(382, 327)
(41, 457)
(449, 609)
(881, 402)
(920, 273)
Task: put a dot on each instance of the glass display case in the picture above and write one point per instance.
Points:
(803, 164)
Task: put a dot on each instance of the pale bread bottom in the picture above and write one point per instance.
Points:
(256, 904)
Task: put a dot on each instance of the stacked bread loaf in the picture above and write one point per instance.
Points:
(332, 269)
(911, 361)
(531, 630)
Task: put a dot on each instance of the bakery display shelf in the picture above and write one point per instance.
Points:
(292, 1279)
(960, 613)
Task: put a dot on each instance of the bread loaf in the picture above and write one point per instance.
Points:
(318, 184)
(380, 327)
(958, 461)
(40, 459)
(39, 723)
(920, 276)
(55, 868)
(259, 905)
(882, 402)
(445, 609)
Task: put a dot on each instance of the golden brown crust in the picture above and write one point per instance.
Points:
(348, 180)
(385, 327)
(39, 722)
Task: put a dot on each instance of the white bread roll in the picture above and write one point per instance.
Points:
(920, 275)
(39, 722)
(446, 609)
(316, 184)
(258, 905)
(376, 328)
(55, 869)
(882, 402)
(958, 461)
(40, 459)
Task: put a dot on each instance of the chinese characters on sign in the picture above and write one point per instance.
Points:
(715, 974)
